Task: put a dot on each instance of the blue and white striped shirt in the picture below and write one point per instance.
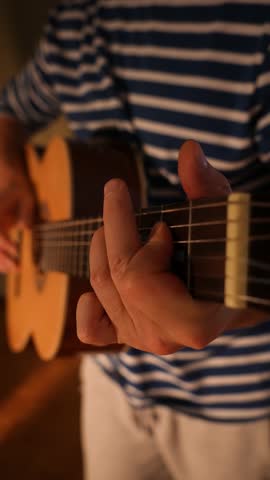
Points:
(165, 71)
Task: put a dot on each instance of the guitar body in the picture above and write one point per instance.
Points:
(221, 245)
(68, 180)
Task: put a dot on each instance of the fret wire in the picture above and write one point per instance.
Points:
(68, 223)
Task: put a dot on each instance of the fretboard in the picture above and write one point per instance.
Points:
(200, 237)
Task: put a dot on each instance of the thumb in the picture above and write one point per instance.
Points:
(199, 179)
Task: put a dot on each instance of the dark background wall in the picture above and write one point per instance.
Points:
(20, 27)
(39, 403)
(21, 24)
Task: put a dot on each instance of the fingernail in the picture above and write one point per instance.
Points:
(202, 160)
(156, 228)
(113, 185)
(82, 315)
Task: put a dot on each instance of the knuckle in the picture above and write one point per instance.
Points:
(161, 347)
(199, 340)
(130, 284)
(99, 276)
(118, 267)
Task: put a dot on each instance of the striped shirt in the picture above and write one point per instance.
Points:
(165, 71)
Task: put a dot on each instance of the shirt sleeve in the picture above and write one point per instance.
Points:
(262, 128)
(30, 96)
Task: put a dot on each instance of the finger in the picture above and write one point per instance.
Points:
(93, 325)
(8, 247)
(155, 255)
(101, 280)
(122, 238)
(185, 321)
(199, 179)
(7, 264)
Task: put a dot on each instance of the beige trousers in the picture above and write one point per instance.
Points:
(122, 443)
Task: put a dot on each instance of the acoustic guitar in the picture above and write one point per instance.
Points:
(222, 248)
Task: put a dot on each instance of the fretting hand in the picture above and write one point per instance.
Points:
(136, 299)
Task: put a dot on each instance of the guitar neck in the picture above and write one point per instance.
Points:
(220, 246)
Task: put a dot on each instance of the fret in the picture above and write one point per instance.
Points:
(145, 222)
(179, 221)
(170, 214)
(259, 251)
(208, 223)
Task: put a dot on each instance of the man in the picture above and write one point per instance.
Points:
(161, 72)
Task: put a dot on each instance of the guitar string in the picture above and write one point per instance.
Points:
(209, 293)
(57, 234)
(244, 259)
(250, 262)
(246, 298)
(250, 238)
(69, 223)
(49, 245)
(250, 278)
(50, 228)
